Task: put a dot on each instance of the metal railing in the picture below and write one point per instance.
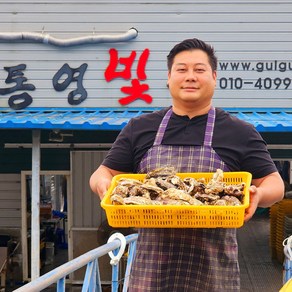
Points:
(115, 248)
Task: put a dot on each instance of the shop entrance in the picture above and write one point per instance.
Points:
(54, 197)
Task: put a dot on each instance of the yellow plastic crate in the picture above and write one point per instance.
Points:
(173, 216)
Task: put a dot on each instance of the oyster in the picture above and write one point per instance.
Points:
(126, 187)
(227, 201)
(179, 195)
(176, 194)
(121, 191)
(161, 172)
(234, 190)
(218, 176)
(207, 198)
(160, 182)
(220, 202)
(134, 191)
(133, 200)
(216, 184)
(231, 200)
(177, 182)
(163, 186)
(194, 186)
(150, 191)
(171, 181)
(117, 200)
(129, 182)
(140, 201)
(168, 201)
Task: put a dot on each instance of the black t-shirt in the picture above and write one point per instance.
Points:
(238, 143)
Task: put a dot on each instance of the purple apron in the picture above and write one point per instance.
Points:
(185, 259)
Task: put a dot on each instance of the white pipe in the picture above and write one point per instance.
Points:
(36, 37)
(35, 206)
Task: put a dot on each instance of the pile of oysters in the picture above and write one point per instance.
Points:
(162, 186)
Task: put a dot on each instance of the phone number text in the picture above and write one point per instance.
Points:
(260, 83)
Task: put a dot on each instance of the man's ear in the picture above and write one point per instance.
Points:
(215, 74)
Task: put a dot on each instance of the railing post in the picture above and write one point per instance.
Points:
(97, 277)
(89, 283)
(61, 285)
(115, 273)
(131, 255)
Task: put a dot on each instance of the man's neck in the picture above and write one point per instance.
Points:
(191, 112)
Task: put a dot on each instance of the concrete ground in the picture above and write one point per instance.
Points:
(259, 271)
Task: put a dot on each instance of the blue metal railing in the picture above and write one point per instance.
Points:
(92, 283)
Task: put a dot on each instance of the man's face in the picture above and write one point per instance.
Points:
(191, 79)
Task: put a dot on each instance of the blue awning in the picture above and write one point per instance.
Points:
(265, 120)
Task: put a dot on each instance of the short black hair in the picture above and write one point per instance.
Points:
(189, 45)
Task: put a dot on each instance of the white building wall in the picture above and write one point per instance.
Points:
(246, 34)
(10, 201)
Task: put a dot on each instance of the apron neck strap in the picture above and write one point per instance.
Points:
(208, 132)
(210, 127)
(162, 128)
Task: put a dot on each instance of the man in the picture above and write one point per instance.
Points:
(193, 136)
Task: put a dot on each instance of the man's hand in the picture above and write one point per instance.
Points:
(101, 179)
(253, 203)
(264, 192)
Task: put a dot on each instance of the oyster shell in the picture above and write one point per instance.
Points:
(117, 200)
(207, 198)
(129, 182)
(140, 201)
(163, 186)
(231, 200)
(216, 184)
(179, 195)
(194, 186)
(150, 191)
(234, 190)
(161, 172)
